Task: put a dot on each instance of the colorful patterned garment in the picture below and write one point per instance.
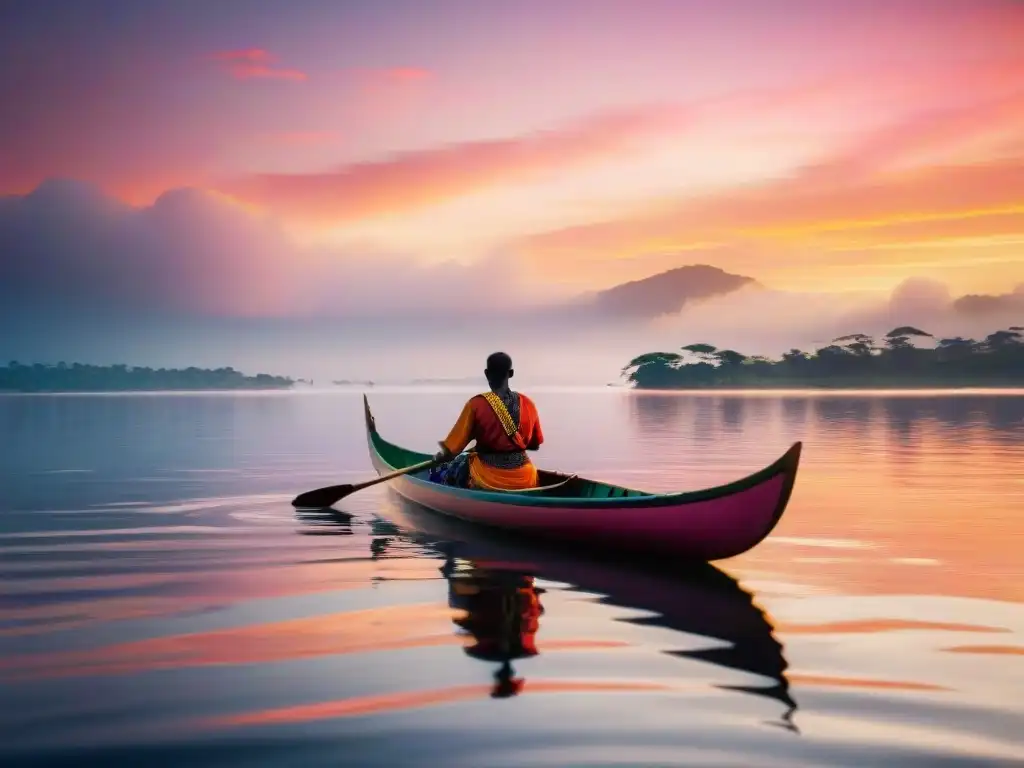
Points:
(507, 407)
(455, 472)
(504, 425)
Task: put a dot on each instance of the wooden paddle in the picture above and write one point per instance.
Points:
(326, 497)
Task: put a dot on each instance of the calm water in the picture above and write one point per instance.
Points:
(161, 603)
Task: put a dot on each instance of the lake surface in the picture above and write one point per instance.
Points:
(161, 603)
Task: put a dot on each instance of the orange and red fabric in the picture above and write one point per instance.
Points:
(479, 422)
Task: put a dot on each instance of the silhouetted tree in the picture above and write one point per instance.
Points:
(1002, 339)
(853, 360)
(956, 349)
(795, 358)
(706, 352)
(899, 338)
(856, 343)
(729, 357)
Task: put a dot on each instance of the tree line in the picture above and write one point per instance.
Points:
(855, 360)
(76, 377)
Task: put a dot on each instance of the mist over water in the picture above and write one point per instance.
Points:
(194, 280)
(149, 553)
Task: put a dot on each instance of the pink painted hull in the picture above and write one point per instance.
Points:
(706, 525)
(708, 530)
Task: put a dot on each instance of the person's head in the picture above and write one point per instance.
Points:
(498, 370)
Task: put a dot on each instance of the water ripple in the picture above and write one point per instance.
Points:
(882, 623)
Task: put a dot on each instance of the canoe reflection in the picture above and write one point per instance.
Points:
(491, 579)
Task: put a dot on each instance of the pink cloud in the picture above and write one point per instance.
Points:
(303, 138)
(405, 74)
(987, 98)
(415, 179)
(883, 184)
(250, 63)
(389, 76)
(929, 131)
(957, 196)
(390, 92)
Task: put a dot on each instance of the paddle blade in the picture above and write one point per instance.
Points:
(322, 497)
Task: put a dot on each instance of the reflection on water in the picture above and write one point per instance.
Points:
(324, 522)
(500, 610)
(492, 581)
(655, 412)
(928, 487)
(163, 604)
(732, 413)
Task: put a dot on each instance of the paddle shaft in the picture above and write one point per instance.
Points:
(325, 497)
(398, 473)
(429, 464)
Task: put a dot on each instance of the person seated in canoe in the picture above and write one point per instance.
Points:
(505, 425)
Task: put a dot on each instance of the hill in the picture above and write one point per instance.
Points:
(665, 293)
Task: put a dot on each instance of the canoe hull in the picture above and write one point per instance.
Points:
(708, 525)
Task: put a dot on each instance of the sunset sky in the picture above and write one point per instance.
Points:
(815, 145)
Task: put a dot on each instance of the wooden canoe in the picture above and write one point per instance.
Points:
(704, 525)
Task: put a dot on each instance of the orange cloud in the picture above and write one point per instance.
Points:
(937, 202)
(250, 63)
(999, 650)
(421, 178)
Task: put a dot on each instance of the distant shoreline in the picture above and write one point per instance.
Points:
(797, 387)
(98, 392)
(780, 391)
(70, 378)
(142, 390)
